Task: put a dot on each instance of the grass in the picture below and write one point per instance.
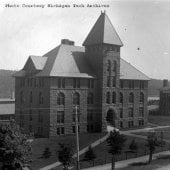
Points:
(159, 120)
(103, 157)
(158, 164)
(38, 146)
(166, 133)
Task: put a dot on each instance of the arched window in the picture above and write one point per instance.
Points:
(120, 97)
(76, 99)
(108, 97)
(31, 97)
(131, 98)
(114, 66)
(114, 97)
(90, 98)
(60, 99)
(108, 65)
(141, 99)
(40, 98)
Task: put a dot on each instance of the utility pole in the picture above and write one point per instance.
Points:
(77, 137)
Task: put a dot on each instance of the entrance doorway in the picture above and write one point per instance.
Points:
(110, 118)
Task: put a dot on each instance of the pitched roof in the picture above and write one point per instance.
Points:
(103, 32)
(38, 61)
(127, 71)
(67, 61)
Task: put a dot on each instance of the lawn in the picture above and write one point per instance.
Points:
(158, 164)
(166, 133)
(159, 120)
(38, 146)
(103, 157)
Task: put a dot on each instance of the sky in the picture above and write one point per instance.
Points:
(143, 27)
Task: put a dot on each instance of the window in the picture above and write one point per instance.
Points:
(30, 115)
(141, 122)
(108, 66)
(76, 83)
(76, 99)
(90, 98)
(130, 112)
(108, 97)
(40, 130)
(121, 112)
(74, 116)
(74, 129)
(41, 82)
(31, 97)
(60, 117)
(90, 115)
(61, 99)
(114, 66)
(141, 111)
(114, 97)
(21, 97)
(141, 84)
(108, 81)
(40, 116)
(61, 83)
(60, 130)
(40, 98)
(131, 84)
(130, 123)
(141, 99)
(131, 98)
(90, 83)
(114, 81)
(120, 97)
(120, 124)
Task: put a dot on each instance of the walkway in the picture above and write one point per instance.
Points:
(125, 163)
(97, 142)
(109, 128)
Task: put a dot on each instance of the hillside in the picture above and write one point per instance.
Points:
(154, 86)
(6, 83)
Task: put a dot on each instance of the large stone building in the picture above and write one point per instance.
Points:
(106, 89)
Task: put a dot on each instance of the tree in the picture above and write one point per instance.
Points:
(115, 142)
(46, 153)
(89, 154)
(14, 147)
(152, 143)
(65, 155)
(133, 146)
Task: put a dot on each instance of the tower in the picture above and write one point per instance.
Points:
(102, 49)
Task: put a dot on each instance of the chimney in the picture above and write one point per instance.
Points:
(165, 83)
(67, 42)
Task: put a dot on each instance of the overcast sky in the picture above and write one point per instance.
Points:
(143, 26)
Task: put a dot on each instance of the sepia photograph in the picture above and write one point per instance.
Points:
(84, 84)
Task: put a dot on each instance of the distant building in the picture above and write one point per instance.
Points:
(164, 103)
(106, 88)
(7, 110)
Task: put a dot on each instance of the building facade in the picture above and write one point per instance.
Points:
(164, 102)
(105, 88)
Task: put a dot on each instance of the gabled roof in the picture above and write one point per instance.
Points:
(127, 71)
(38, 61)
(67, 61)
(103, 32)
